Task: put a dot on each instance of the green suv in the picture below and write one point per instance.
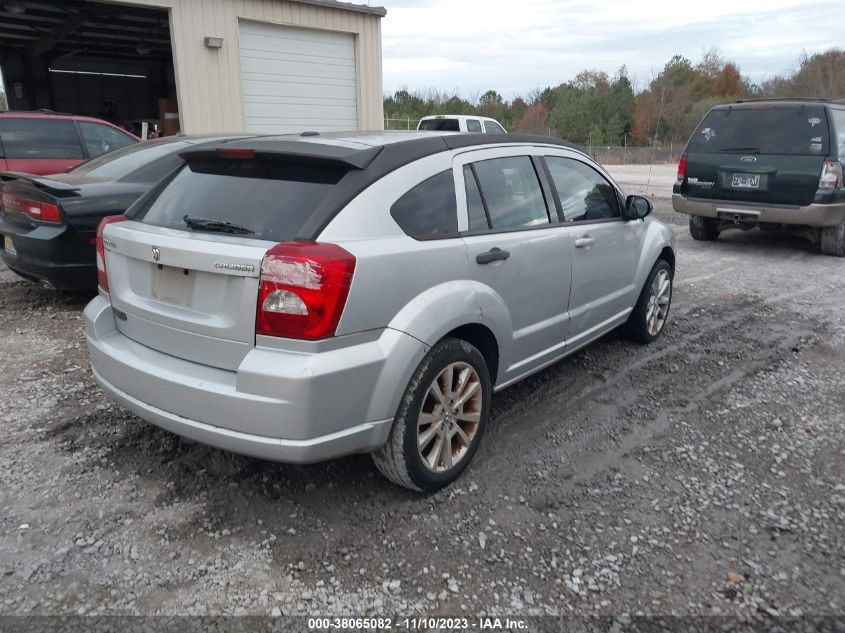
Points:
(774, 164)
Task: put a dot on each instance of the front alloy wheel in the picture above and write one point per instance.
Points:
(658, 302)
(651, 313)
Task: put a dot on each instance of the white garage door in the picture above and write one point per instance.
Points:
(297, 79)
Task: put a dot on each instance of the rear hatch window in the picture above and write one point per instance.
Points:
(765, 129)
(268, 197)
(441, 125)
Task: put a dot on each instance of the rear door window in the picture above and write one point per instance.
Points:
(585, 195)
(491, 127)
(101, 139)
(429, 209)
(763, 129)
(34, 138)
(473, 126)
(511, 192)
(271, 197)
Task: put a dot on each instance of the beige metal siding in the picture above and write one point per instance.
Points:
(209, 80)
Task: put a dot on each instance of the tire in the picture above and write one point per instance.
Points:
(426, 467)
(644, 325)
(703, 229)
(833, 240)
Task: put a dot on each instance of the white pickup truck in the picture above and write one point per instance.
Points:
(461, 123)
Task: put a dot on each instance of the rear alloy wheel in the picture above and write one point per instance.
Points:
(652, 310)
(441, 419)
(704, 229)
(450, 417)
(833, 240)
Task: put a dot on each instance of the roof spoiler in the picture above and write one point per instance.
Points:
(53, 186)
(295, 151)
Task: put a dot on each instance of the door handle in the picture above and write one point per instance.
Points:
(584, 240)
(495, 254)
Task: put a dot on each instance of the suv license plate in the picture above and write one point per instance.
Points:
(8, 246)
(745, 181)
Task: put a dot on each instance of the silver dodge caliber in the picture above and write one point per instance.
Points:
(298, 298)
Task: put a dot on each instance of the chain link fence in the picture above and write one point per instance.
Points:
(605, 154)
(613, 155)
(400, 124)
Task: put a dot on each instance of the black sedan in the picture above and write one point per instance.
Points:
(48, 224)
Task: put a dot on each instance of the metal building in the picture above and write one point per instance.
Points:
(197, 65)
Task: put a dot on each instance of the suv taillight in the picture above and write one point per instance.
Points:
(682, 168)
(831, 177)
(102, 274)
(303, 289)
(37, 210)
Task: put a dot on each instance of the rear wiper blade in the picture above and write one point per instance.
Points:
(751, 150)
(215, 226)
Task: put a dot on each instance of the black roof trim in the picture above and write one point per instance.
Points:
(294, 150)
(459, 141)
(391, 158)
(396, 155)
(369, 163)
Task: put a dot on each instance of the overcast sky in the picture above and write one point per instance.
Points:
(512, 47)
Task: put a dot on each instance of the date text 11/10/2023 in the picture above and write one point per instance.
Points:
(419, 623)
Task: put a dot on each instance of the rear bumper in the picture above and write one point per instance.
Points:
(323, 408)
(816, 215)
(50, 254)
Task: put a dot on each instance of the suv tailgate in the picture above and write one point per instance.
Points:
(766, 153)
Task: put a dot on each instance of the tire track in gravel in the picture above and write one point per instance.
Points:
(593, 420)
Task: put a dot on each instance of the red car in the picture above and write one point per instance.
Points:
(44, 143)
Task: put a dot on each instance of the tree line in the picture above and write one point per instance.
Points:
(596, 108)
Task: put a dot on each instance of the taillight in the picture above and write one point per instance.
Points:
(37, 210)
(682, 168)
(303, 289)
(831, 177)
(102, 275)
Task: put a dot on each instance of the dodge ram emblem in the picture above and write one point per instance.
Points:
(156, 253)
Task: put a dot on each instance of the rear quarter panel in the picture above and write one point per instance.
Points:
(658, 236)
(416, 287)
(396, 276)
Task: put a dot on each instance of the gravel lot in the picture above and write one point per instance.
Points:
(704, 474)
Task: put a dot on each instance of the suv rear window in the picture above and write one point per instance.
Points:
(271, 197)
(33, 138)
(764, 129)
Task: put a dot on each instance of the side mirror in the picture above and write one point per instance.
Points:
(637, 207)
